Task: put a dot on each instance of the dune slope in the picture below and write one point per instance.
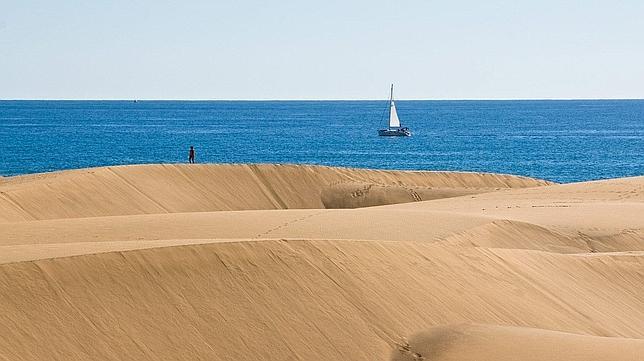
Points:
(248, 263)
(171, 188)
(495, 343)
(308, 300)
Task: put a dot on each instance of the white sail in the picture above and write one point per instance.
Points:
(394, 129)
(394, 122)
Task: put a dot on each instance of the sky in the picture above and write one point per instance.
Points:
(287, 49)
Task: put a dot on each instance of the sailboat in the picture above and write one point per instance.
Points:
(394, 129)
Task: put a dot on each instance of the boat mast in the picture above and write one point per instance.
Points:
(391, 97)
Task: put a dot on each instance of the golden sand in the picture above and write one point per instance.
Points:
(270, 262)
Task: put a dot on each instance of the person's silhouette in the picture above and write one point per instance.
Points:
(191, 155)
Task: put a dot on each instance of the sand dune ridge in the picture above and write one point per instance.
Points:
(252, 262)
(172, 188)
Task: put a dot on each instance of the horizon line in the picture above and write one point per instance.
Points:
(308, 100)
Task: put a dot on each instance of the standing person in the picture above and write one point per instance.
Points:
(191, 155)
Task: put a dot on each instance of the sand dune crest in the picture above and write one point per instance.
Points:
(173, 188)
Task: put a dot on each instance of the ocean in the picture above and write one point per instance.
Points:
(559, 140)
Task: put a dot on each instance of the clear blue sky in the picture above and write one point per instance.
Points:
(287, 49)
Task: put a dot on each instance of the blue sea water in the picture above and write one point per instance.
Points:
(563, 141)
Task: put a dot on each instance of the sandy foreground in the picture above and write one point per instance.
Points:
(285, 262)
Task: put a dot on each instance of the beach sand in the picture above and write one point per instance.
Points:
(288, 262)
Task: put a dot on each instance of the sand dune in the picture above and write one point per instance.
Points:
(519, 235)
(300, 299)
(496, 343)
(594, 208)
(362, 224)
(152, 189)
(251, 262)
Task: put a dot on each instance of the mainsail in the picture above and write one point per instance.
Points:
(394, 122)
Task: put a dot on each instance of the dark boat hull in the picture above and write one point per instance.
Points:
(398, 132)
